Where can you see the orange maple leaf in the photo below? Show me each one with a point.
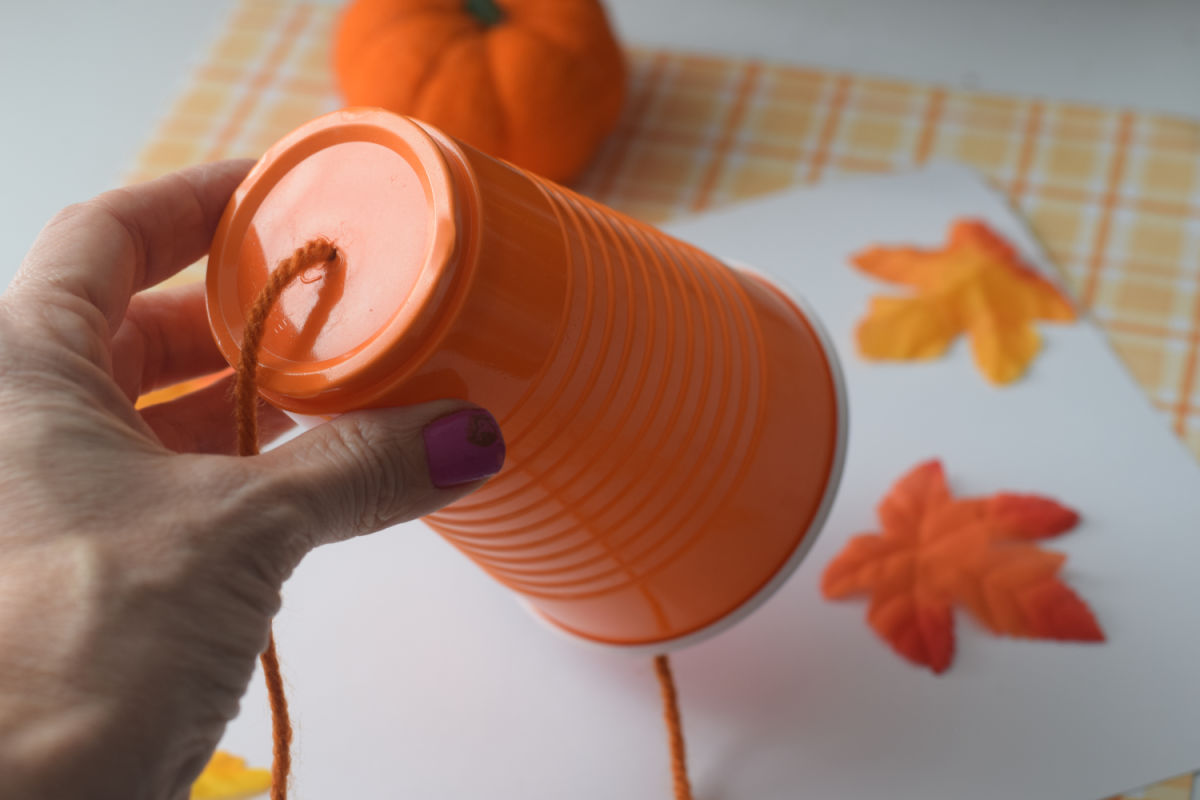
(936, 551)
(975, 284)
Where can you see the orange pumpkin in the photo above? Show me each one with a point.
(539, 83)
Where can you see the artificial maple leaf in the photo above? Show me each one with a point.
(976, 284)
(177, 390)
(228, 778)
(937, 551)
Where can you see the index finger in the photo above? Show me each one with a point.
(107, 249)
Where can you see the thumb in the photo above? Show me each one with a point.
(366, 470)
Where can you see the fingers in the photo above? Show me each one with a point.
(104, 251)
(371, 469)
(203, 421)
(164, 339)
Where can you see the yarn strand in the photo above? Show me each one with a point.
(317, 252)
(281, 722)
(670, 699)
(313, 253)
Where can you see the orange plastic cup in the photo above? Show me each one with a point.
(675, 427)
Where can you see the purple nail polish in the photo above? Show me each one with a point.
(463, 447)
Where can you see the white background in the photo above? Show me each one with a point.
(82, 83)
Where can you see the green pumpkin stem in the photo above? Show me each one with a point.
(486, 11)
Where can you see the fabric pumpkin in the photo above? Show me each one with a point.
(539, 83)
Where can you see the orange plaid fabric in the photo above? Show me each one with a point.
(1113, 194)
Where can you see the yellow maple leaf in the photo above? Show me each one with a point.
(168, 393)
(228, 778)
(975, 284)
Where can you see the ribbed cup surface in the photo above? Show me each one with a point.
(668, 453)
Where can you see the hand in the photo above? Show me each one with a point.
(140, 563)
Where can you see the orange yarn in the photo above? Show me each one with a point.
(316, 252)
(670, 698)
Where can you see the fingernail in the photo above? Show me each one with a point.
(463, 447)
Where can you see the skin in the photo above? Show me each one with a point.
(140, 561)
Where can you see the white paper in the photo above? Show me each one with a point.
(413, 675)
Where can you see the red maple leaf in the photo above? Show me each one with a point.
(979, 553)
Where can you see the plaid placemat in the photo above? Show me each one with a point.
(1113, 194)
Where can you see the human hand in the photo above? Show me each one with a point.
(140, 563)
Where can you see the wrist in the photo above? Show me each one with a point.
(82, 750)
(74, 721)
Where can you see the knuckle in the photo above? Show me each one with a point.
(66, 304)
(381, 474)
(117, 208)
(107, 213)
(263, 529)
(149, 340)
(12, 354)
(73, 215)
(75, 324)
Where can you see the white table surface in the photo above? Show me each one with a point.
(84, 82)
